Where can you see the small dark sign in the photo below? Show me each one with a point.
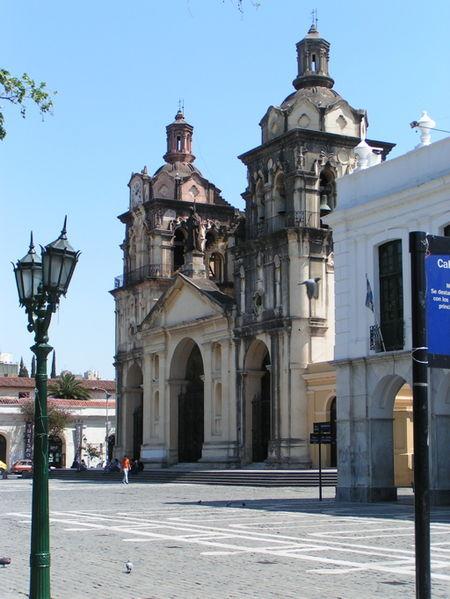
(323, 428)
(315, 439)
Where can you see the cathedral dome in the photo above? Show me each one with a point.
(314, 104)
(178, 169)
(321, 97)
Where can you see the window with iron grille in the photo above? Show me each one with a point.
(391, 294)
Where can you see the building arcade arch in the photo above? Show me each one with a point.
(187, 402)
(133, 412)
(258, 402)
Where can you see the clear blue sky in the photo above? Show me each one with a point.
(119, 69)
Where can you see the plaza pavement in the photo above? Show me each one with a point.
(205, 542)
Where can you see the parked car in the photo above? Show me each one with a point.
(3, 467)
(22, 466)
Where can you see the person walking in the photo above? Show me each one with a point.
(125, 468)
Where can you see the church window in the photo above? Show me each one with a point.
(327, 192)
(156, 411)
(218, 409)
(391, 294)
(210, 239)
(194, 191)
(304, 121)
(260, 205)
(156, 406)
(178, 143)
(277, 281)
(242, 288)
(216, 267)
(156, 368)
(178, 249)
(341, 122)
(314, 63)
(217, 358)
(280, 201)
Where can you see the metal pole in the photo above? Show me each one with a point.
(417, 248)
(40, 535)
(320, 471)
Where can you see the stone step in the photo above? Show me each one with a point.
(249, 478)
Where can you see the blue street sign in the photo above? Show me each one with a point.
(437, 268)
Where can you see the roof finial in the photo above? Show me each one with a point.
(179, 104)
(31, 249)
(315, 20)
(64, 229)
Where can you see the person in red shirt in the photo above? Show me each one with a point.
(125, 469)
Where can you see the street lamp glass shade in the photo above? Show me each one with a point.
(58, 261)
(28, 272)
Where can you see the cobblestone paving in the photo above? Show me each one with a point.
(204, 542)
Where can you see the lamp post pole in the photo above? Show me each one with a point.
(40, 537)
(40, 285)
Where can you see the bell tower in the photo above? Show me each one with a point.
(179, 140)
(307, 142)
(313, 54)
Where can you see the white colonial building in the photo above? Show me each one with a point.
(377, 208)
(90, 428)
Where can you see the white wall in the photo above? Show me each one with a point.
(384, 202)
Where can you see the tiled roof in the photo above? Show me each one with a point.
(20, 382)
(61, 403)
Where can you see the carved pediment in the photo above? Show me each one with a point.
(182, 303)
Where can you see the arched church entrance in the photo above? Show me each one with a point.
(191, 410)
(187, 402)
(134, 411)
(3, 449)
(258, 401)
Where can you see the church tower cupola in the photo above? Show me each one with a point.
(313, 53)
(179, 140)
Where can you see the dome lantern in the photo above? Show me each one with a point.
(313, 53)
(179, 140)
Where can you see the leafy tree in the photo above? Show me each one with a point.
(68, 387)
(53, 373)
(20, 91)
(23, 371)
(58, 418)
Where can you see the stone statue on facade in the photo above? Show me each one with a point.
(196, 232)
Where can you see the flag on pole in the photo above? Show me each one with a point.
(369, 296)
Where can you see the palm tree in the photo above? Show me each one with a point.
(68, 387)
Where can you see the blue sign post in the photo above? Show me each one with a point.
(437, 269)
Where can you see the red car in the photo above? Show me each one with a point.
(22, 466)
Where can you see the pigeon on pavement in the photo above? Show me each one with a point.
(5, 561)
(128, 566)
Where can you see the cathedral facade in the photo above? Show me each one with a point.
(225, 319)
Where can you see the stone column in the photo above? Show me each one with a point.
(147, 389)
(118, 449)
(176, 387)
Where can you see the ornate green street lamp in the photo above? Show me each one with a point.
(40, 284)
